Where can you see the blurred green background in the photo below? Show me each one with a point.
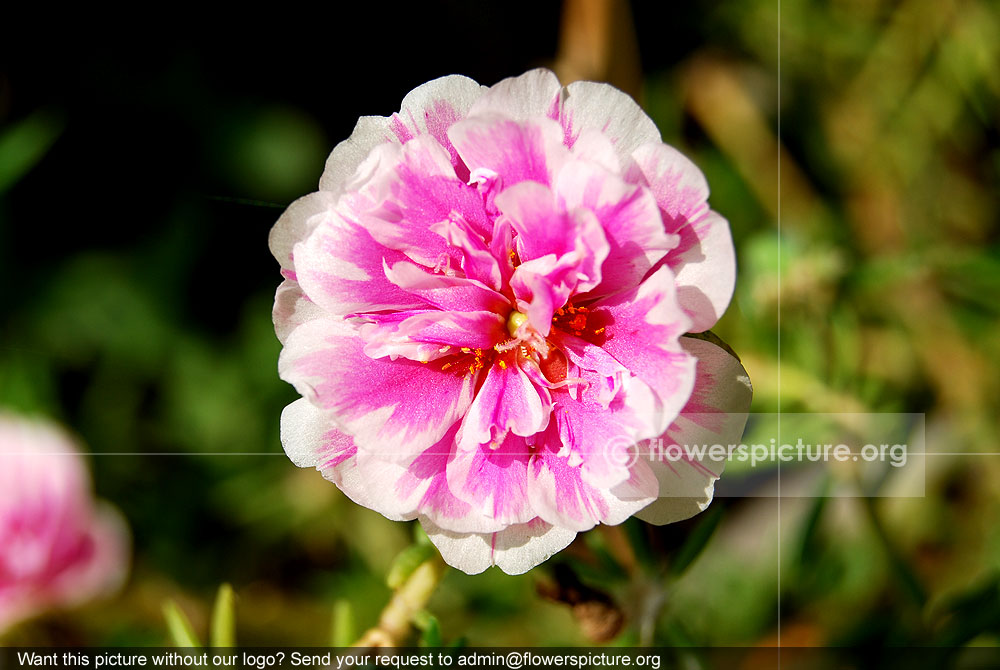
(140, 172)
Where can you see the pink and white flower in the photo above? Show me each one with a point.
(58, 548)
(484, 308)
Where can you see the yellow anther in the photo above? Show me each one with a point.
(502, 364)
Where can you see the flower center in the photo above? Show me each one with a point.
(572, 319)
(514, 321)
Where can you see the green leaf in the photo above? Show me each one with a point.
(406, 562)
(697, 540)
(179, 626)
(430, 629)
(420, 535)
(24, 144)
(223, 632)
(343, 631)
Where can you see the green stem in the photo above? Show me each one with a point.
(394, 624)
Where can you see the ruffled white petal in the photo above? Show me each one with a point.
(429, 108)
(532, 94)
(591, 105)
(515, 550)
(705, 271)
(295, 224)
(311, 440)
(343, 161)
(716, 414)
(292, 308)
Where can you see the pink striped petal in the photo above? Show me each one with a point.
(515, 150)
(428, 335)
(629, 217)
(599, 423)
(400, 491)
(434, 107)
(311, 440)
(428, 109)
(450, 293)
(677, 184)
(397, 408)
(590, 105)
(410, 190)
(478, 261)
(346, 158)
(427, 477)
(546, 226)
(494, 480)
(507, 401)
(716, 414)
(561, 495)
(642, 327)
(704, 262)
(420, 488)
(586, 355)
(341, 269)
(540, 287)
(593, 147)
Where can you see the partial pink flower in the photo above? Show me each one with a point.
(484, 309)
(58, 547)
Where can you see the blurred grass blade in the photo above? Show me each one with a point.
(905, 577)
(430, 629)
(406, 562)
(697, 540)
(809, 537)
(343, 632)
(970, 614)
(178, 626)
(223, 632)
(636, 531)
(23, 145)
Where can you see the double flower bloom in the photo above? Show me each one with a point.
(484, 309)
